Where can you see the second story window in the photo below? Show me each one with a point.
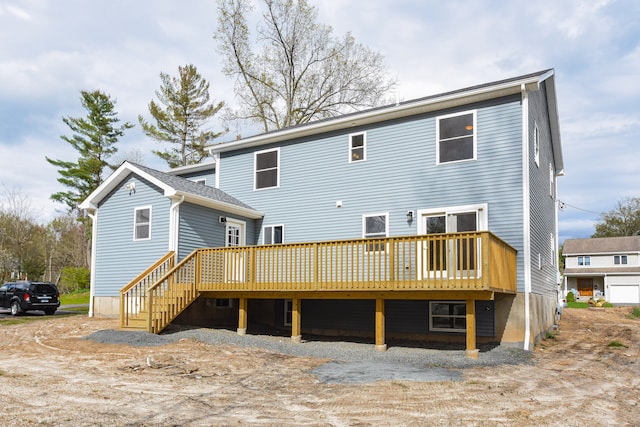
(142, 223)
(456, 137)
(536, 144)
(267, 169)
(357, 147)
(584, 260)
(620, 259)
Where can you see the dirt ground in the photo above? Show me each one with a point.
(48, 376)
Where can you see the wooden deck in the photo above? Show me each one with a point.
(462, 266)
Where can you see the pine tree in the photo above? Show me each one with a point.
(94, 138)
(187, 109)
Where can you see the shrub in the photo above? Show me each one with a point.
(571, 297)
(73, 279)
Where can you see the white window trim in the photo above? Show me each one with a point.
(536, 144)
(431, 328)
(243, 229)
(475, 136)
(482, 210)
(255, 170)
(272, 226)
(551, 179)
(368, 247)
(200, 181)
(364, 147)
(364, 224)
(135, 224)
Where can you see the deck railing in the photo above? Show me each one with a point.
(457, 261)
(471, 261)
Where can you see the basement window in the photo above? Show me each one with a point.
(448, 316)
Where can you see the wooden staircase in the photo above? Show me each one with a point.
(159, 294)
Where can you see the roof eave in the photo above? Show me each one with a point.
(393, 112)
(220, 205)
(114, 180)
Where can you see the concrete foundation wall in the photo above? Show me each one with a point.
(510, 310)
(106, 306)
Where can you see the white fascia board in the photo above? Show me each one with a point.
(554, 123)
(223, 206)
(114, 180)
(192, 168)
(387, 113)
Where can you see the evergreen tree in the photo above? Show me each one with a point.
(94, 137)
(187, 109)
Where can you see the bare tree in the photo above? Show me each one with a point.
(298, 71)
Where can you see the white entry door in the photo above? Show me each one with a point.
(235, 260)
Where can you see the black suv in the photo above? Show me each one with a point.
(24, 296)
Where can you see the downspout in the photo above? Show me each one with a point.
(526, 210)
(174, 224)
(92, 277)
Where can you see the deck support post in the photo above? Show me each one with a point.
(472, 351)
(296, 335)
(380, 335)
(242, 316)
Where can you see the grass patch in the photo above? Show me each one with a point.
(635, 312)
(616, 344)
(16, 320)
(76, 297)
(577, 304)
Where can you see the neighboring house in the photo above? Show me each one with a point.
(607, 267)
(431, 219)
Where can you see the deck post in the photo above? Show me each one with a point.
(380, 335)
(242, 316)
(472, 351)
(296, 335)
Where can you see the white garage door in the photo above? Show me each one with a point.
(624, 294)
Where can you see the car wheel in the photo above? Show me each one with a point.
(15, 308)
(49, 311)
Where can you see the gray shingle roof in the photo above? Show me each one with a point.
(601, 245)
(184, 185)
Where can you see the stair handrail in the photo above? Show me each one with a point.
(157, 328)
(167, 261)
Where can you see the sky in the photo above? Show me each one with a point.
(50, 50)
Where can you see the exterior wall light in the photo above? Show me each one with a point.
(410, 216)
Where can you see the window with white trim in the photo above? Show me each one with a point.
(202, 181)
(536, 144)
(267, 169)
(448, 316)
(552, 249)
(272, 234)
(375, 226)
(551, 179)
(620, 259)
(456, 137)
(584, 260)
(357, 147)
(142, 223)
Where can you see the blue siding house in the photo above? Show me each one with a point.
(432, 219)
